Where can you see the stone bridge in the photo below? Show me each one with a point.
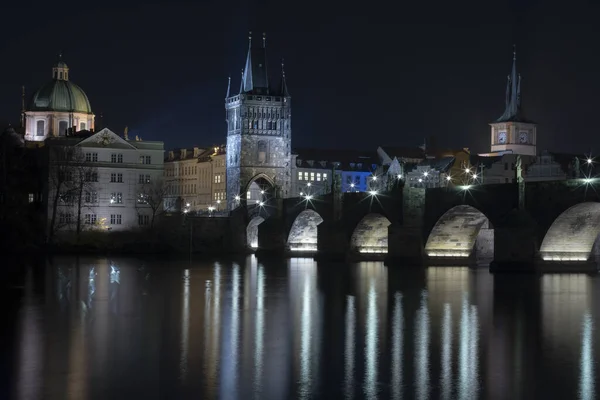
(550, 224)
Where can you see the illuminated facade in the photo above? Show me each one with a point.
(259, 131)
(116, 171)
(512, 131)
(57, 107)
(196, 179)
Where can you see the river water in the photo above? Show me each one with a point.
(98, 328)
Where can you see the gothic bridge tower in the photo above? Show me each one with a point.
(259, 131)
(512, 131)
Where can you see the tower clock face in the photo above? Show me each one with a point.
(502, 137)
(523, 137)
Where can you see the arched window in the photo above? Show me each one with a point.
(40, 128)
(62, 128)
(82, 126)
(262, 151)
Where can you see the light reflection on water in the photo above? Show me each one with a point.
(273, 329)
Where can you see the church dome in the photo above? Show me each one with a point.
(60, 94)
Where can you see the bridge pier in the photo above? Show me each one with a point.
(405, 246)
(515, 248)
(333, 243)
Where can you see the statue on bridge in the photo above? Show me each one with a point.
(519, 168)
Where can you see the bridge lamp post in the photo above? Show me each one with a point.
(373, 192)
(352, 187)
(210, 210)
(218, 204)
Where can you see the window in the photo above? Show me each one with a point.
(217, 178)
(31, 197)
(115, 219)
(91, 177)
(91, 157)
(65, 198)
(40, 128)
(299, 175)
(143, 219)
(62, 128)
(145, 160)
(306, 176)
(318, 177)
(116, 198)
(324, 177)
(82, 126)
(90, 219)
(65, 218)
(91, 197)
(312, 176)
(248, 195)
(262, 151)
(116, 178)
(116, 158)
(142, 198)
(143, 178)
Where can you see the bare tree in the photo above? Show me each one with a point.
(70, 176)
(151, 198)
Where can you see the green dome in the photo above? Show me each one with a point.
(60, 95)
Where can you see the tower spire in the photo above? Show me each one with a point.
(228, 86)
(283, 88)
(512, 111)
(242, 82)
(256, 78)
(264, 40)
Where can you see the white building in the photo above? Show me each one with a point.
(117, 182)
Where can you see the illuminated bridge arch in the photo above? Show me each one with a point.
(252, 232)
(461, 231)
(572, 235)
(303, 234)
(371, 234)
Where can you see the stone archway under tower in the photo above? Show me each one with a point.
(260, 188)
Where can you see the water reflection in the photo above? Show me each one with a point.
(275, 329)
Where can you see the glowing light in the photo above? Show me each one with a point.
(420, 180)
(373, 251)
(589, 161)
(307, 248)
(352, 185)
(237, 198)
(563, 258)
(448, 178)
(262, 192)
(187, 204)
(425, 173)
(461, 254)
(301, 194)
(465, 187)
(399, 176)
(211, 208)
(373, 192)
(257, 201)
(112, 201)
(308, 197)
(186, 211)
(374, 178)
(467, 170)
(218, 201)
(261, 204)
(309, 184)
(475, 176)
(588, 180)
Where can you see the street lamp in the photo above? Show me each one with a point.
(308, 197)
(237, 198)
(589, 160)
(420, 180)
(261, 203)
(448, 178)
(467, 170)
(218, 204)
(308, 184)
(425, 173)
(374, 177)
(373, 192)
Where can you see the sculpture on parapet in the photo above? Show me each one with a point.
(519, 168)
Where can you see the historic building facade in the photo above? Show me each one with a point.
(512, 131)
(259, 131)
(103, 181)
(57, 107)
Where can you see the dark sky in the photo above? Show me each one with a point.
(361, 74)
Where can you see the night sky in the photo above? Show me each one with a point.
(361, 74)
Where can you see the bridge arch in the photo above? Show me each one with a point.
(260, 188)
(303, 234)
(572, 235)
(458, 233)
(371, 234)
(252, 232)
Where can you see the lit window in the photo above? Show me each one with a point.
(248, 196)
(312, 176)
(324, 177)
(306, 176)
(116, 198)
(318, 177)
(31, 197)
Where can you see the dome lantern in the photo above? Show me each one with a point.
(60, 71)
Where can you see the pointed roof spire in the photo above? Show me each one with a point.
(264, 40)
(513, 111)
(228, 86)
(255, 77)
(283, 87)
(242, 83)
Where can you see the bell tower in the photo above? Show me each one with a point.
(259, 132)
(512, 131)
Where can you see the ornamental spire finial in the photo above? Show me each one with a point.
(514, 52)
(250, 39)
(264, 40)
